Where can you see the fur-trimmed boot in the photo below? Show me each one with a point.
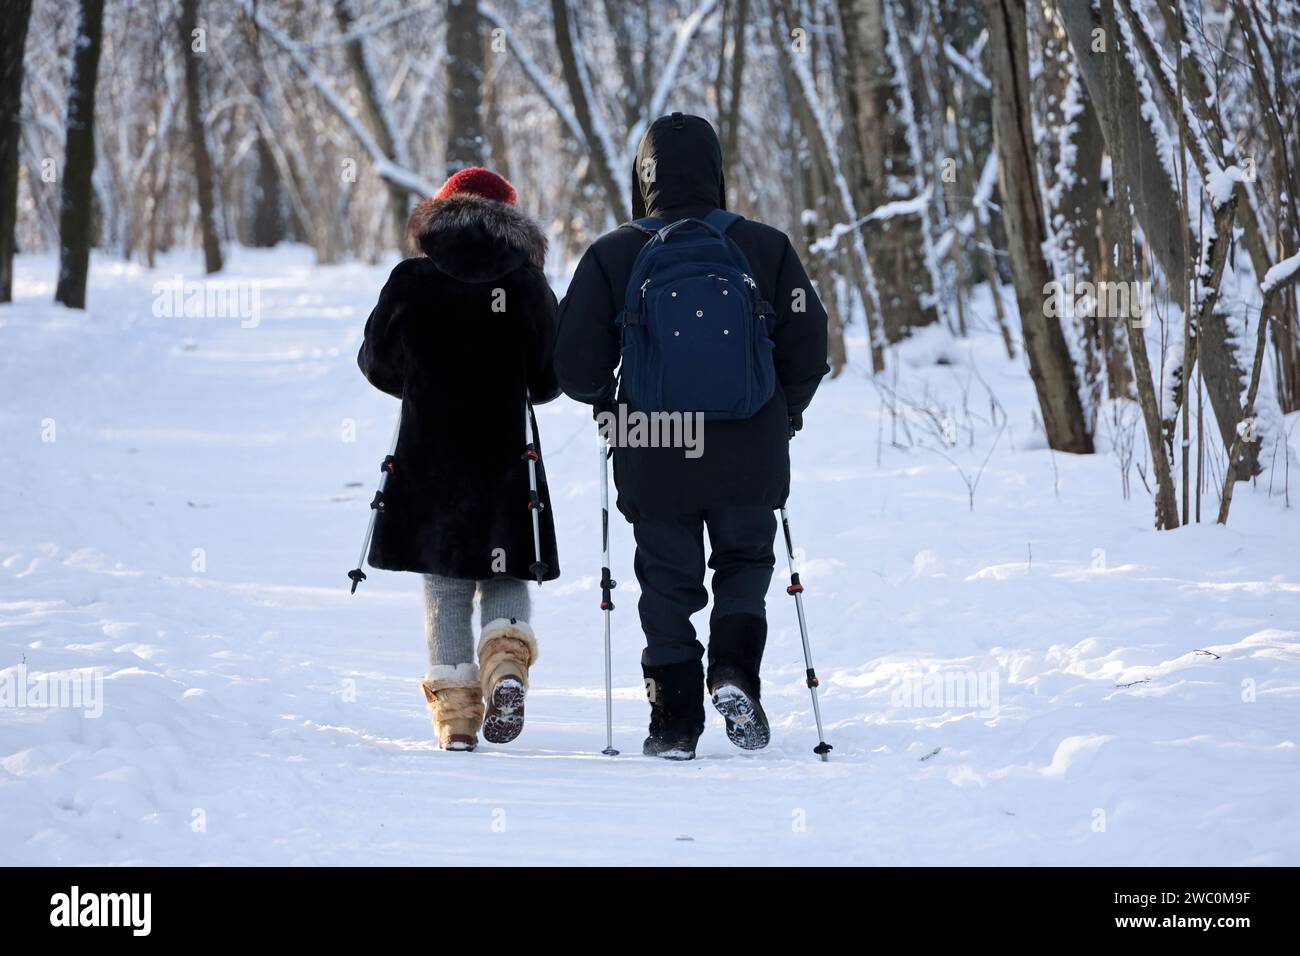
(506, 650)
(454, 697)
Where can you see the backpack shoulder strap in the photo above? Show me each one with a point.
(647, 225)
(723, 219)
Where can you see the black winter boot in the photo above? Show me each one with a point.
(676, 710)
(735, 654)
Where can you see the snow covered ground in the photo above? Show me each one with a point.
(180, 501)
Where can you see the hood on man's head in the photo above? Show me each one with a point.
(677, 165)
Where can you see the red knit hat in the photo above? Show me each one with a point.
(478, 181)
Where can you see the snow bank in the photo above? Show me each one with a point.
(1040, 680)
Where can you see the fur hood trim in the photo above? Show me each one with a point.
(459, 216)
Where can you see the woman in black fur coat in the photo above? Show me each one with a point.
(463, 335)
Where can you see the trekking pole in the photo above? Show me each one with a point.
(356, 575)
(535, 503)
(795, 590)
(607, 584)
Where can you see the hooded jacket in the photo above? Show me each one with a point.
(459, 335)
(677, 175)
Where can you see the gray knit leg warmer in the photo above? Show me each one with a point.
(448, 628)
(502, 598)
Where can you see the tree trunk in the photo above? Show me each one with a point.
(1072, 169)
(372, 104)
(1166, 502)
(618, 13)
(1113, 335)
(13, 39)
(884, 172)
(565, 32)
(268, 213)
(75, 215)
(496, 124)
(188, 23)
(1155, 199)
(833, 175)
(731, 117)
(1125, 264)
(815, 207)
(1245, 434)
(1196, 110)
(1050, 366)
(465, 68)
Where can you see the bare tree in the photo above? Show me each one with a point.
(1124, 257)
(75, 215)
(187, 24)
(373, 107)
(1050, 365)
(884, 169)
(1274, 285)
(466, 142)
(1071, 155)
(13, 40)
(802, 94)
(1129, 126)
(574, 68)
(267, 225)
(729, 131)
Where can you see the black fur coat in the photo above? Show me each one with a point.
(457, 335)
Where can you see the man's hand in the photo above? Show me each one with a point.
(604, 405)
(796, 423)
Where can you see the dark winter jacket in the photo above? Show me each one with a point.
(745, 463)
(456, 335)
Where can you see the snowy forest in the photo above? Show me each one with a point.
(1059, 245)
(1114, 162)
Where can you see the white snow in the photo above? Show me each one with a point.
(915, 206)
(1280, 272)
(1043, 679)
(1223, 182)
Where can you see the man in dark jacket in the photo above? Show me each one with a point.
(743, 473)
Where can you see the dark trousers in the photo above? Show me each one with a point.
(670, 569)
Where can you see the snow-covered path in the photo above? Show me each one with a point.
(188, 530)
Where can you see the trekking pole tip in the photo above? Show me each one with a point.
(610, 752)
(356, 576)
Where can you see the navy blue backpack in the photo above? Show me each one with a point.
(694, 326)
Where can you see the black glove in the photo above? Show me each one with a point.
(601, 406)
(796, 423)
